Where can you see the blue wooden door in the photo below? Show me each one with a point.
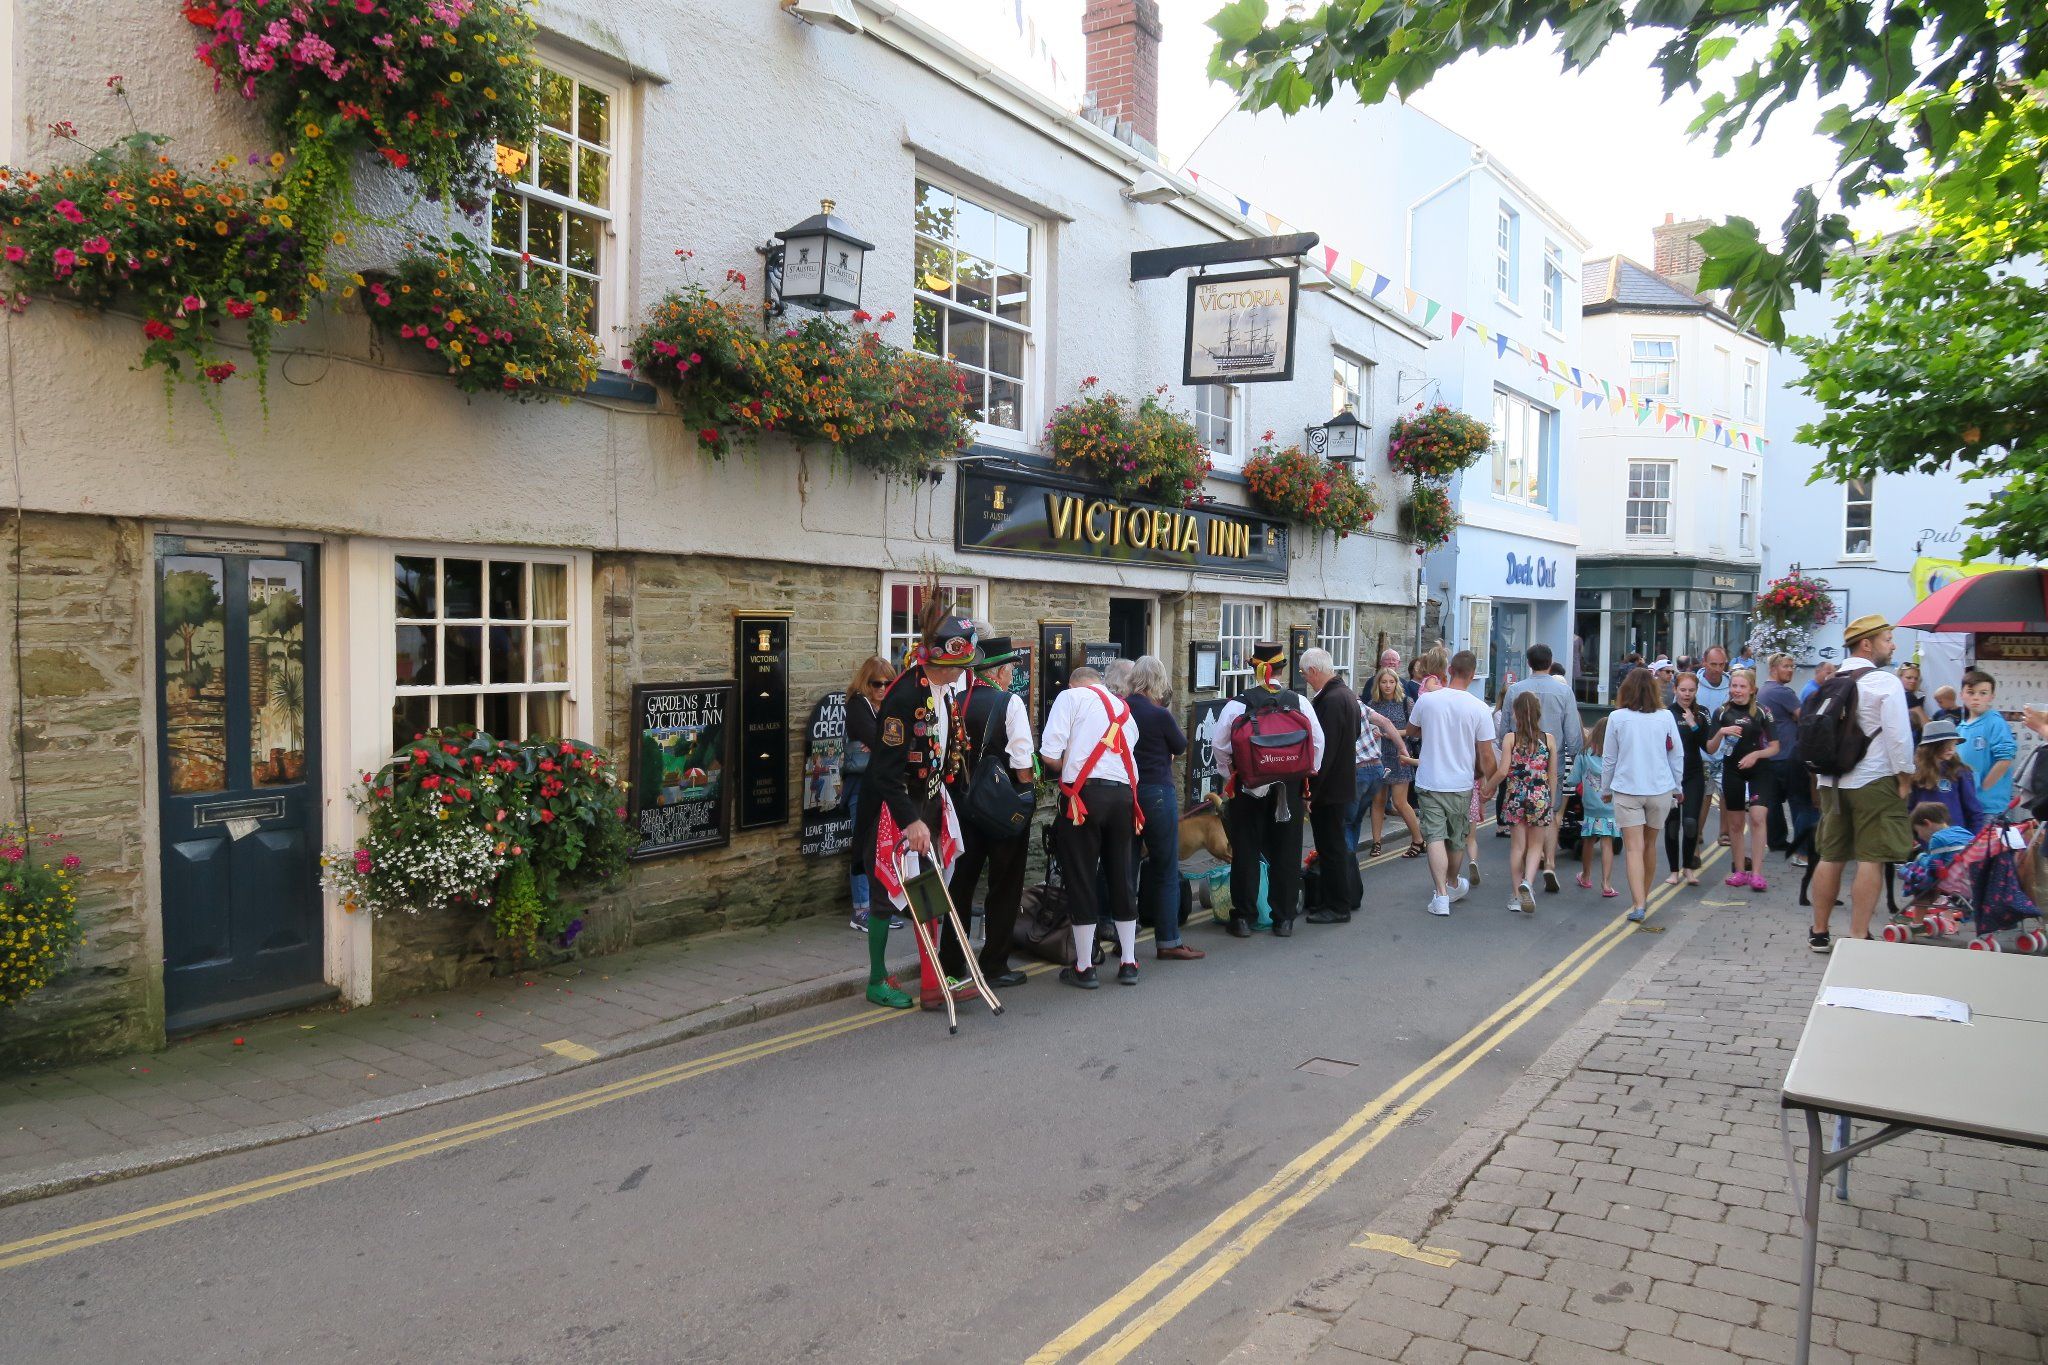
(238, 720)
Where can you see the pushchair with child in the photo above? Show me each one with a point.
(1983, 883)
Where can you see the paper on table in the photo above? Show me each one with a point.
(1897, 1002)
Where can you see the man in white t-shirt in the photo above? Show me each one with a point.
(1863, 817)
(1457, 750)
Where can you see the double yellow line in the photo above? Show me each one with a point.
(1245, 1225)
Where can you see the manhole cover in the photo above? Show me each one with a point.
(1325, 1066)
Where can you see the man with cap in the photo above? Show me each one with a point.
(993, 720)
(1863, 817)
(919, 750)
(1264, 821)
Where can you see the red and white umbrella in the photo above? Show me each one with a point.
(2005, 602)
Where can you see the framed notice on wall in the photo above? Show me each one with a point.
(682, 751)
(1055, 660)
(1100, 656)
(761, 655)
(1241, 327)
(827, 823)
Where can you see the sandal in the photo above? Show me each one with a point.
(1585, 881)
(1414, 851)
(1374, 851)
(1608, 892)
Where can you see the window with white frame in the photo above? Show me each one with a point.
(1553, 287)
(1337, 631)
(554, 224)
(903, 602)
(1218, 420)
(480, 640)
(1858, 505)
(1752, 389)
(1653, 366)
(1649, 498)
(976, 300)
(1348, 379)
(1724, 379)
(1243, 625)
(1507, 253)
(1520, 444)
(1745, 516)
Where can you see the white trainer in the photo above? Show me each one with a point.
(1439, 905)
(1461, 890)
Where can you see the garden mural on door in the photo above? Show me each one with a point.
(240, 805)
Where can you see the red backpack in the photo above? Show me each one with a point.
(1272, 741)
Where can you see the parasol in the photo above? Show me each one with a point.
(2006, 601)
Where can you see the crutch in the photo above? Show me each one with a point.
(917, 893)
(974, 972)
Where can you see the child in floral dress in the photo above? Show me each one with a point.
(1528, 767)
(1596, 815)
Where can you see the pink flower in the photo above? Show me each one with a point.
(365, 6)
(433, 343)
(64, 258)
(72, 862)
(15, 255)
(159, 331)
(69, 211)
(11, 854)
(97, 246)
(192, 304)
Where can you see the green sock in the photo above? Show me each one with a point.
(878, 946)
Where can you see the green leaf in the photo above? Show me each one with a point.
(1238, 22)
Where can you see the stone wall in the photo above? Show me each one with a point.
(77, 726)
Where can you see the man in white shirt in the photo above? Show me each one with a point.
(1457, 749)
(1264, 821)
(1863, 815)
(1089, 738)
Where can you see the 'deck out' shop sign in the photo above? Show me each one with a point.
(1043, 518)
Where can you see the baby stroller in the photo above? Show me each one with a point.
(1929, 912)
(1986, 881)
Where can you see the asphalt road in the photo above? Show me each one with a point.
(873, 1192)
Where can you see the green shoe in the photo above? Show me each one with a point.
(881, 993)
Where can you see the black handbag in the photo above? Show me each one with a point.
(996, 806)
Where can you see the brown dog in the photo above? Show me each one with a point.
(1202, 831)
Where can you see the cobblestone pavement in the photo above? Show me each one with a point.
(281, 1078)
(1642, 1211)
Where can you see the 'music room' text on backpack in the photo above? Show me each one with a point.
(1831, 738)
(1271, 741)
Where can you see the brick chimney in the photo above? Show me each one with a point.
(1678, 250)
(1123, 62)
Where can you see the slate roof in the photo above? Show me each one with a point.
(1616, 284)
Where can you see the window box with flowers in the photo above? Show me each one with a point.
(1323, 494)
(1144, 451)
(461, 821)
(878, 406)
(450, 307)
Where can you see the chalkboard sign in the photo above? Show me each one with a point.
(682, 749)
(1100, 657)
(827, 819)
(761, 657)
(1020, 676)
(1203, 778)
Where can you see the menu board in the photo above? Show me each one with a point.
(1203, 777)
(827, 818)
(681, 750)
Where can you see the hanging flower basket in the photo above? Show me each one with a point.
(448, 305)
(191, 253)
(38, 911)
(1796, 602)
(1437, 441)
(1322, 494)
(433, 87)
(897, 412)
(1428, 517)
(1146, 451)
(460, 820)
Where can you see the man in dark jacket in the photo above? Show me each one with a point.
(920, 748)
(1334, 788)
(993, 721)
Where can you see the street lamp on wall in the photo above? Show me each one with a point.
(816, 264)
(1341, 439)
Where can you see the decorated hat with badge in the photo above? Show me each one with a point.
(951, 645)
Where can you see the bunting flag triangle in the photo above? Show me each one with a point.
(1195, 176)
(1544, 361)
(1430, 315)
(1614, 402)
(1457, 321)
(1671, 421)
(1589, 399)
(1500, 346)
(1329, 260)
(1606, 390)
(1642, 414)
(1357, 273)
(1660, 414)
(1745, 440)
(1379, 285)
(1527, 354)
(1411, 296)
(1576, 381)
(1557, 389)
(1272, 222)
(1244, 208)
(1624, 395)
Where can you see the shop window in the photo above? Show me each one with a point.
(977, 270)
(1653, 366)
(554, 224)
(1243, 625)
(1521, 445)
(1858, 507)
(1553, 287)
(1745, 526)
(1649, 498)
(1219, 414)
(903, 600)
(1507, 253)
(1337, 631)
(481, 640)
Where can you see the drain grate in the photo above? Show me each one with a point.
(1327, 1066)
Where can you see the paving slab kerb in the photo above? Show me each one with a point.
(283, 1078)
(1634, 1204)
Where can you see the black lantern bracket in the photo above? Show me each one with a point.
(828, 230)
(1341, 440)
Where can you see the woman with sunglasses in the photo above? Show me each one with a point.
(863, 696)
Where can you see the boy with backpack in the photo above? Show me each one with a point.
(1857, 739)
(1270, 745)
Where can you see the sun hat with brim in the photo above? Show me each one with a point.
(1936, 731)
(997, 650)
(1863, 626)
(952, 645)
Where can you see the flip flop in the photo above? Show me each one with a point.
(1608, 893)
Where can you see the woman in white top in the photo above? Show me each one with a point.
(1643, 772)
